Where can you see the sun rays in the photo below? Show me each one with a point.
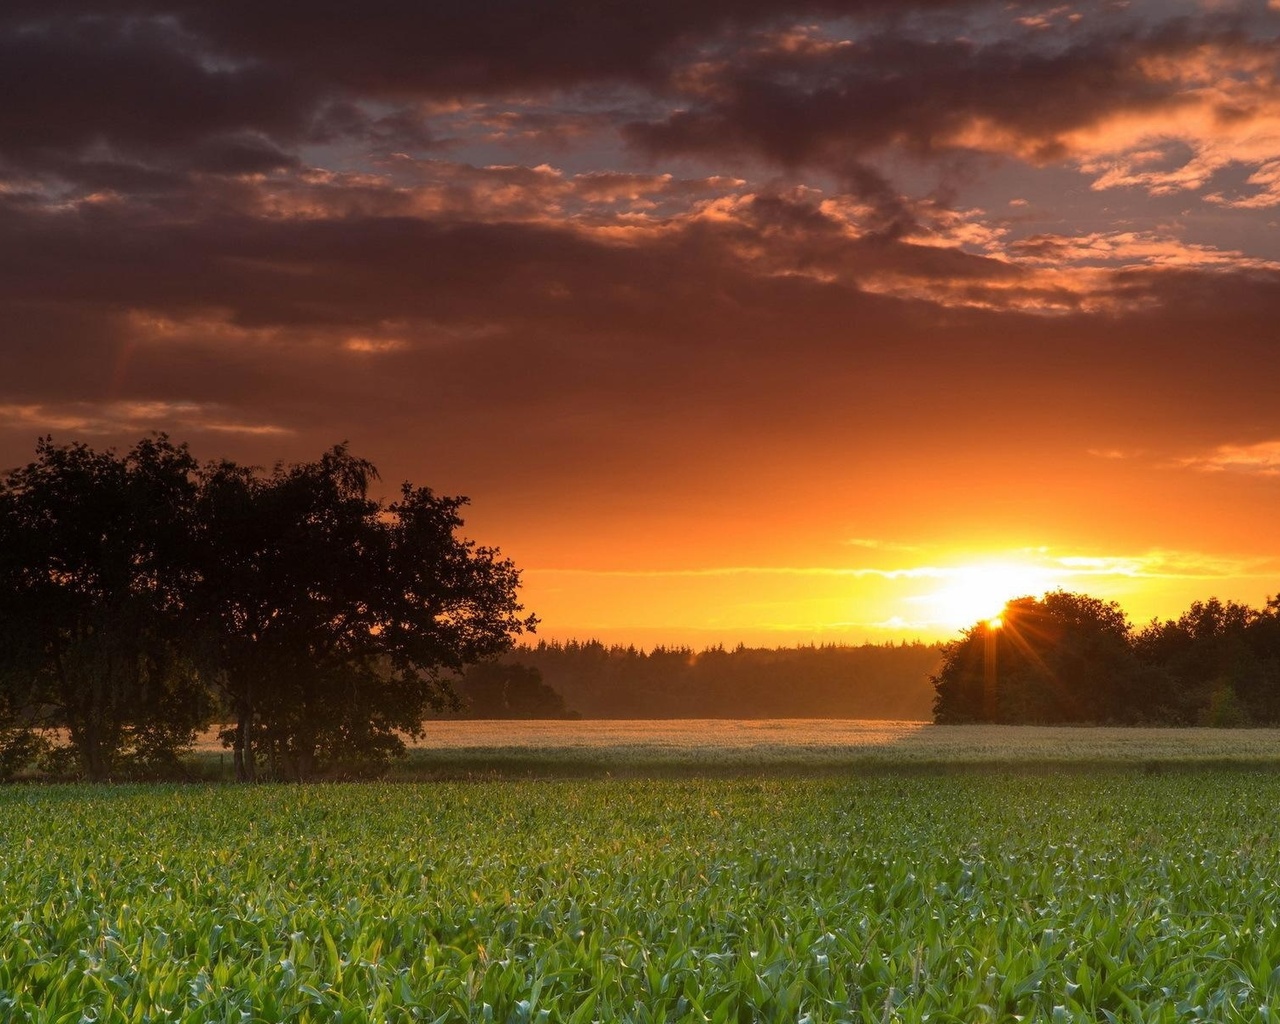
(979, 592)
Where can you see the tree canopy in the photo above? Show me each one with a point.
(94, 570)
(1073, 658)
(145, 595)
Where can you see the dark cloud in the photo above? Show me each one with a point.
(349, 270)
(232, 87)
(116, 90)
(99, 93)
(832, 106)
(770, 289)
(403, 47)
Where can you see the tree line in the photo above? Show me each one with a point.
(1071, 658)
(145, 596)
(587, 678)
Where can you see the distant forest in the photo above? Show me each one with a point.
(1062, 658)
(590, 680)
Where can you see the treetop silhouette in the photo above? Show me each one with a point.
(143, 595)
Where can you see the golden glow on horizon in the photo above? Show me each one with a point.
(875, 591)
(974, 593)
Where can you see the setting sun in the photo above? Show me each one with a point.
(973, 593)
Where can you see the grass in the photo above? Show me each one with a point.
(1112, 896)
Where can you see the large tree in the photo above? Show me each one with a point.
(141, 593)
(1061, 658)
(93, 569)
(330, 619)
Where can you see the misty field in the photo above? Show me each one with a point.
(736, 745)
(1109, 896)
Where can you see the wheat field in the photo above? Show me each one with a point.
(601, 745)
(836, 741)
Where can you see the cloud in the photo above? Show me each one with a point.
(1116, 454)
(404, 47)
(924, 94)
(1261, 458)
(130, 417)
(647, 306)
(111, 101)
(227, 88)
(100, 90)
(1163, 106)
(1130, 248)
(875, 544)
(1030, 569)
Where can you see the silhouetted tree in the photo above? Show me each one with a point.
(93, 568)
(1211, 671)
(327, 618)
(1264, 642)
(1063, 658)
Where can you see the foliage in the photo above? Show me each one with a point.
(1117, 897)
(1063, 658)
(140, 594)
(328, 616)
(1072, 658)
(1210, 666)
(93, 567)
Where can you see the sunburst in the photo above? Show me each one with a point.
(979, 592)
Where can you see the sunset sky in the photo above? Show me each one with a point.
(769, 321)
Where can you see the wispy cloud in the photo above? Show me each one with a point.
(123, 416)
(1262, 458)
(743, 570)
(874, 544)
(1042, 564)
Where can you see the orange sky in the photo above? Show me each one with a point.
(821, 320)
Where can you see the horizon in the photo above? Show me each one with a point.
(836, 322)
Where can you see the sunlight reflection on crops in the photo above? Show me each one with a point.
(843, 739)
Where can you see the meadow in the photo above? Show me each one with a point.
(1113, 895)
(812, 746)
(462, 749)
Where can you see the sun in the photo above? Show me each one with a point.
(979, 592)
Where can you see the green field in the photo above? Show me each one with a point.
(1107, 896)
(801, 747)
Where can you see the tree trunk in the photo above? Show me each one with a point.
(242, 746)
(86, 740)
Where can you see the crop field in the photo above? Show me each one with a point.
(1107, 896)
(734, 746)
(806, 745)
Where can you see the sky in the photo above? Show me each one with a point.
(771, 321)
